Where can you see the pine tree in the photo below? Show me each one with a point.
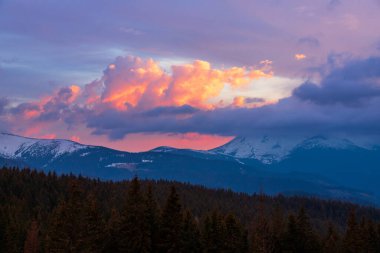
(190, 235)
(290, 239)
(171, 221)
(134, 231)
(13, 241)
(93, 230)
(307, 240)
(372, 242)
(277, 230)
(213, 234)
(66, 226)
(32, 244)
(331, 242)
(262, 238)
(235, 236)
(111, 244)
(57, 238)
(152, 219)
(351, 241)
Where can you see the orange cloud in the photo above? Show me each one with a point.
(140, 85)
(300, 57)
(132, 81)
(128, 79)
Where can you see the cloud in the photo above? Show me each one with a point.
(241, 101)
(345, 101)
(309, 41)
(353, 84)
(170, 30)
(132, 82)
(171, 110)
(299, 57)
(3, 103)
(334, 3)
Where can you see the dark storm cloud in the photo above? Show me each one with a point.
(352, 85)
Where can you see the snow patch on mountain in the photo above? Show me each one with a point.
(324, 142)
(14, 146)
(269, 149)
(266, 149)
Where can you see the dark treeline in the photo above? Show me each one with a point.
(49, 213)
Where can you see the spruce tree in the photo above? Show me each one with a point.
(134, 231)
(307, 239)
(112, 234)
(32, 243)
(152, 219)
(171, 221)
(65, 232)
(290, 239)
(213, 234)
(190, 235)
(372, 237)
(277, 230)
(235, 236)
(93, 228)
(262, 238)
(331, 243)
(351, 241)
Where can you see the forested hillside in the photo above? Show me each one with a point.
(50, 213)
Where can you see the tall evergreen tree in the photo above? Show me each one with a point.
(32, 243)
(351, 241)
(134, 231)
(262, 238)
(190, 235)
(213, 234)
(66, 226)
(171, 221)
(111, 243)
(307, 239)
(372, 239)
(235, 236)
(331, 243)
(277, 230)
(93, 227)
(152, 219)
(290, 239)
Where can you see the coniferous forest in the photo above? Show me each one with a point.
(49, 213)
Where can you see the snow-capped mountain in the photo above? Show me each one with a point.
(266, 149)
(269, 150)
(234, 166)
(13, 146)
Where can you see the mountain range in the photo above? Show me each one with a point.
(318, 166)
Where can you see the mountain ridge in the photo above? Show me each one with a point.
(206, 168)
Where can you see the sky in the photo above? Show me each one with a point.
(134, 75)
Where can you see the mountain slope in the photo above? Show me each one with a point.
(199, 167)
(339, 160)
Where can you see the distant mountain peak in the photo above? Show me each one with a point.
(320, 141)
(12, 145)
(264, 148)
(269, 149)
